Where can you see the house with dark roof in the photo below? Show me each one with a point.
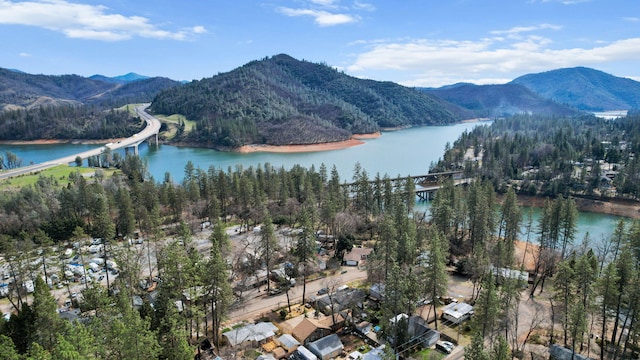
(326, 348)
(339, 301)
(557, 352)
(421, 333)
(376, 292)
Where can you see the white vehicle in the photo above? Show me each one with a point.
(96, 248)
(29, 287)
(94, 267)
(111, 265)
(445, 346)
(99, 261)
(68, 274)
(76, 269)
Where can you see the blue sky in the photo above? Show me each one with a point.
(412, 42)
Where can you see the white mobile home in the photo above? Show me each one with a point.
(457, 312)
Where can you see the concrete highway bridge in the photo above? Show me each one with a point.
(151, 130)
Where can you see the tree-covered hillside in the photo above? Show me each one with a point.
(584, 88)
(281, 100)
(67, 122)
(21, 90)
(133, 92)
(499, 100)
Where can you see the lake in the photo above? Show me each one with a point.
(599, 226)
(402, 152)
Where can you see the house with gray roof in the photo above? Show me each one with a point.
(327, 348)
(457, 312)
(251, 333)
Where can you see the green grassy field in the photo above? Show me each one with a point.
(175, 119)
(172, 123)
(60, 173)
(428, 354)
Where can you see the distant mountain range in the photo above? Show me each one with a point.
(558, 92)
(282, 100)
(122, 79)
(22, 90)
(584, 88)
(491, 101)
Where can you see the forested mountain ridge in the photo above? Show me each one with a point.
(281, 100)
(584, 88)
(67, 107)
(22, 90)
(499, 100)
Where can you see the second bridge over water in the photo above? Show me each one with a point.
(425, 185)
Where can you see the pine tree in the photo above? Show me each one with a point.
(47, 323)
(8, 349)
(219, 290)
(487, 310)
(435, 272)
(305, 250)
(268, 245)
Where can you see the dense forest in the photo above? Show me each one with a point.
(281, 100)
(549, 156)
(68, 122)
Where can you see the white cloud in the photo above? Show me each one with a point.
(488, 59)
(322, 18)
(631, 19)
(24, 54)
(324, 2)
(328, 12)
(199, 29)
(363, 6)
(523, 29)
(93, 22)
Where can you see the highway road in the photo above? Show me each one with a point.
(152, 128)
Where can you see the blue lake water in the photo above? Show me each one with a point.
(403, 152)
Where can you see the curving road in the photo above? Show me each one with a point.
(152, 128)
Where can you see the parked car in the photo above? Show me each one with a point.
(445, 346)
(323, 291)
(275, 291)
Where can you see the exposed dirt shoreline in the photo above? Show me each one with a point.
(624, 208)
(355, 140)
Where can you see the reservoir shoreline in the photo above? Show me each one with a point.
(624, 208)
